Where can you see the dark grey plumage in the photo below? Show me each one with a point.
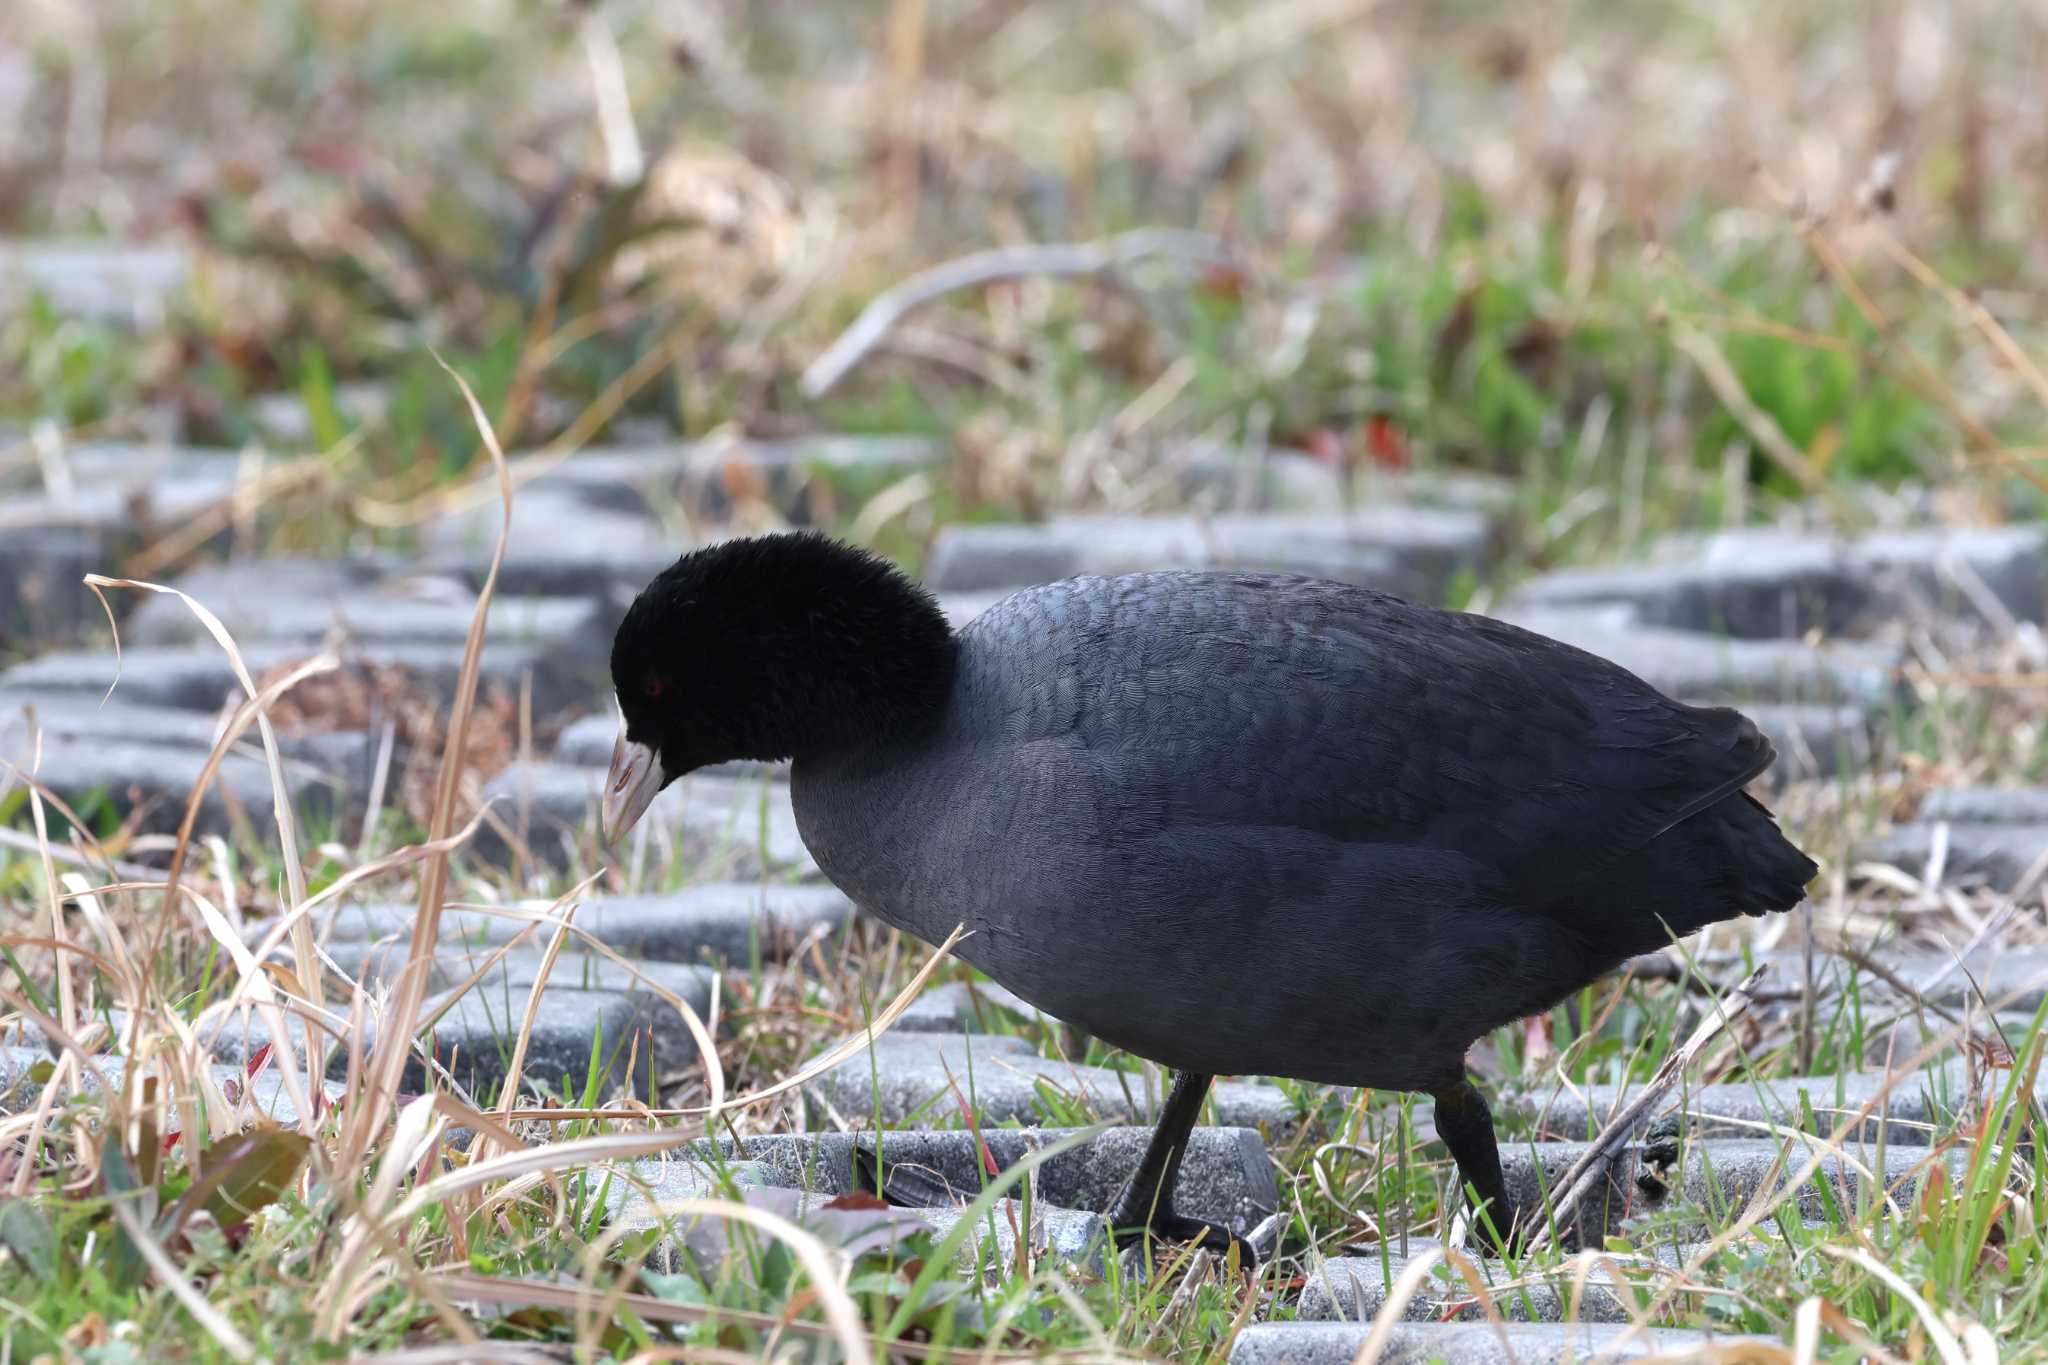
(1232, 822)
(1340, 836)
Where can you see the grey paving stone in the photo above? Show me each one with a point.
(713, 1247)
(1713, 1180)
(601, 556)
(49, 542)
(627, 1036)
(520, 968)
(715, 921)
(587, 741)
(695, 478)
(1697, 667)
(199, 678)
(1289, 481)
(192, 679)
(634, 1190)
(122, 512)
(603, 519)
(565, 640)
(75, 716)
(1413, 551)
(1689, 1200)
(266, 1093)
(1691, 1188)
(340, 760)
(582, 992)
(510, 978)
(235, 1038)
(560, 677)
(158, 781)
(99, 281)
(251, 595)
(1072, 1236)
(1353, 1288)
(1533, 1172)
(1006, 1081)
(637, 1193)
(2012, 977)
(1517, 1343)
(963, 1007)
(1760, 583)
(133, 466)
(1804, 587)
(42, 593)
(739, 826)
(283, 416)
(1226, 1174)
(1816, 741)
(1076, 1237)
(1993, 855)
(550, 520)
(1900, 1038)
(1914, 1106)
(1911, 566)
(1985, 806)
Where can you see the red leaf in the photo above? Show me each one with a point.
(1386, 444)
(1223, 280)
(988, 1160)
(857, 1199)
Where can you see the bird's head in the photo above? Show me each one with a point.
(769, 647)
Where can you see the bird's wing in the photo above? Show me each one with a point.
(1248, 699)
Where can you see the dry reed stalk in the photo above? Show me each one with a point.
(394, 1041)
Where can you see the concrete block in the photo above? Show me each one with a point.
(1700, 668)
(716, 921)
(126, 283)
(1413, 551)
(1005, 1080)
(1516, 1343)
(739, 826)
(1226, 1175)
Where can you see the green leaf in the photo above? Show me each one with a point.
(125, 1266)
(242, 1175)
(25, 1230)
(316, 392)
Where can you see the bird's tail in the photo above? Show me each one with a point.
(1730, 859)
(1771, 871)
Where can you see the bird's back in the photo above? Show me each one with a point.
(1324, 789)
(1263, 700)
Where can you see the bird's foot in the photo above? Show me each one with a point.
(1166, 1230)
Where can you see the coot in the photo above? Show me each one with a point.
(1237, 823)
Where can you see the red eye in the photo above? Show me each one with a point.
(652, 687)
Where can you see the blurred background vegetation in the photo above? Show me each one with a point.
(1658, 264)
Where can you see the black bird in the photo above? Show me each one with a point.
(1237, 823)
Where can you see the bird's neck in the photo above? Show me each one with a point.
(856, 679)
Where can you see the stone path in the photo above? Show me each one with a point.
(1338, 1343)
(1720, 618)
(117, 282)
(1992, 836)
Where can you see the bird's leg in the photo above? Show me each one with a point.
(1466, 1125)
(1145, 1207)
